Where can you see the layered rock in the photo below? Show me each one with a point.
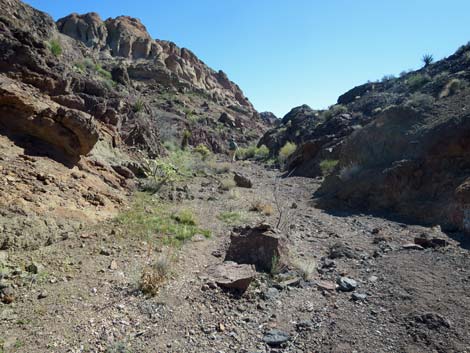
(128, 38)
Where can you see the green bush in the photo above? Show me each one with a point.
(203, 151)
(252, 152)
(327, 166)
(333, 111)
(55, 47)
(103, 72)
(285, 152)
(417, 81)
(138, 105)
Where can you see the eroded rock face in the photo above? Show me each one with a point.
(128, 38)
(24, 110)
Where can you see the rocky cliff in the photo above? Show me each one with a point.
(400, 146)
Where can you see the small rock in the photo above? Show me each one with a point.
(42, 295)
(105, 252)
(411, 246)
(325, 285)
(113, 265)
(359, 297)
(271, 293)
(304, 325)
(275, 338)
(346, 284)
(373, 279)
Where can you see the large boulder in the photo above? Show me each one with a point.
(89, 29)
(261, 246)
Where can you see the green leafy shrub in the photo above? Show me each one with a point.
(185, 217)
(55, 47)
(203, 151)
(417, 81)
(160, 171)
(185, 140)
(253, 152)
(230, 217)
(327, 166)
(285, 152)
(102, 72)
(333, 111)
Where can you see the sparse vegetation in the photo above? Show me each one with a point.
(285, 152)
(157, 222)
(227, 184)
(451, 88)
(420, 101)
(185, 140)
(253, 152)
(55, 47)
(427, 59)
(327, 166)
(155, 274)
(231, 217)
(418, 80)
(102, 72)
(305, 267)
(333, 111)
(203, 151)
(261, 207)
(138, 105)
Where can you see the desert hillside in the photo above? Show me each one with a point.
(147, 206)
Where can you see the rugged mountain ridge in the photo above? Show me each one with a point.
(400, 146)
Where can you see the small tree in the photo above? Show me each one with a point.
(427, 59)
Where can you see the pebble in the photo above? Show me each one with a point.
(359, 297)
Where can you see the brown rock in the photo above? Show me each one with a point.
(242, 181)
(262, 247)
(231, 275)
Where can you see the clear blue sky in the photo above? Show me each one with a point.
(284, 53)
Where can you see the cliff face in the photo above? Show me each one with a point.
(127, 37)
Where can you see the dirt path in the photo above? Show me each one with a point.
(414, 300)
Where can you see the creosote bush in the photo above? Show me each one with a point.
(420, 101)
(416, 81)
(253, 152)
(285, 152)
(55, 47)
(203, 151)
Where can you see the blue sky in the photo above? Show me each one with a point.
(284, 53)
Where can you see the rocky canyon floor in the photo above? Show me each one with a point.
(80, 293)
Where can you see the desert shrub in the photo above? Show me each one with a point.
(327, 166)
(185, 217)
(160, 171)
(417, 81)
(154, 275)
(203, 151)
(427, 59)
(227, 184)
(348, 172)
(218, 168)
(388, 78)
(261, 207)
(286, 151)
(185, 140)
(451, 88)
(230, 217)
(88, 63)
(333, 111)
(253, 152)
(102, 72)
(305, 267)
(55, 47)
(138, 105)
(420, 101)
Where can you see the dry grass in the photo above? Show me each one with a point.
(155, 274)
(227, 184)
(305, 267)
(261, 207)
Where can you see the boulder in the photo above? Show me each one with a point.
(227, 120)
(275, 338)
(261, 246)
(231, 275)
(242, 181)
